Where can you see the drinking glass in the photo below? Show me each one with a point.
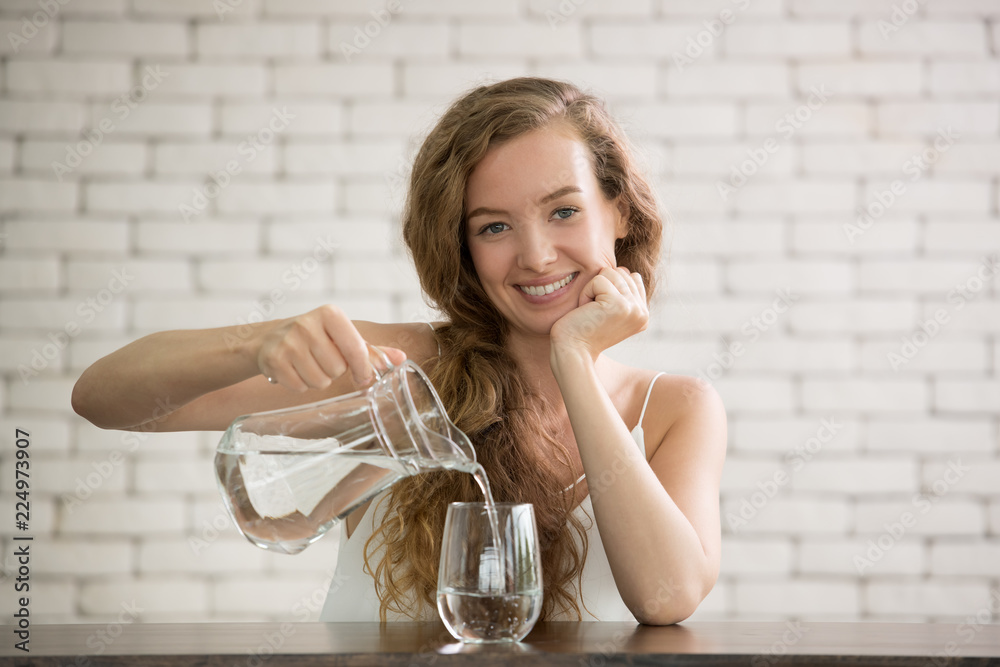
(490, 592)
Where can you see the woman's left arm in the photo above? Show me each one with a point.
(659, 521)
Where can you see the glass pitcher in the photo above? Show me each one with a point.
(287, 476)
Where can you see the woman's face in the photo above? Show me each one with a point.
(538, 226)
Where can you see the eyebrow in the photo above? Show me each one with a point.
(565, 190)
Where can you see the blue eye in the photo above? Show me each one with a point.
(493, 228)
(568, 211)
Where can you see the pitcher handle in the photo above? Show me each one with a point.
(379, 355)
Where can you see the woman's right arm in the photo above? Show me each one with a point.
(203, 379)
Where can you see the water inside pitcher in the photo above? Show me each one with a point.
(287, 476)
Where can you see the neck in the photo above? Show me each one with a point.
(531, 352)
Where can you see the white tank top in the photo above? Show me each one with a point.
(351, 597)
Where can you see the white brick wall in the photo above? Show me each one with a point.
(333, 178)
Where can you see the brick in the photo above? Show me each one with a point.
(391, 276)
(961, 475)
(245, 9)
(366, 235)
(162, 595)
(447, 78)
(23, 194)
(54, 315)
(139, 197)
(100, 517)
(971, 77)
(683, 120)
(37, 39)
(913, 276)
(798, 39)
(884, 237)
(307, 272)
(132, 276)
(645, 39)
(937, 196)
(793, 355)
(49, 434)
(270, 596)
(29, 275)
(409, 40)
(556, 12)
(943, 517)
(837, 557)
(370, 197)
(108, 158)
(833, 119)
(792, 437)
(936, 599)
(965, 558)
(680, 355)
(845, 9)
(814, 196)
(755, 393)
(346, 80)
(692, 198)
(213, 80)
(865, 395)
(932, 435)
(356, 307)
(977, 8)
(860, 476)
(457, 9)
(829, 277)
(79, 557)
(740, 556)
(320, 558)
(868, 79)
(940, 356)
(854, 157)
(924, 38)
(728, 80)
(39, 354)
(196, 476)
(125, 38)
(205, 237)
(712, 8)
(311, 118)
(277, 198)
(800, 597)
(53, 600)
(154, 119)
(370, 157)
(172, 313)
(271, 40)
(390, 118)
(969, 158)
(498, 39)
(41, 393)
(609, 80)
(196, 557)
(722, 161)
(857, 315)
(731, 238)
(86, 7)
(6, 156)
(967, 395)
(204, 158)
(79, 235)
(61, 77)
(82, 476)
(969, 119)
(971, 316)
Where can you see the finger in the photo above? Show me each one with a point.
(309, 374)
(618, 279)
(350, 344)
(640, 285)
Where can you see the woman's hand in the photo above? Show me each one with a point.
(612, 308)
(312, 350)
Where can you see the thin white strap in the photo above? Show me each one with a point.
(435, 337)
(642, 413)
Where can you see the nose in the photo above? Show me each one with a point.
(536, 250)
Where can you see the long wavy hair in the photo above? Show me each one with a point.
(512, 429)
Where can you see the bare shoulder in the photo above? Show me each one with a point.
(684, 405)
(416, 339)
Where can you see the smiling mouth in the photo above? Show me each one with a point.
(542, 290)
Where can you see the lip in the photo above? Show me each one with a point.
(545, 298)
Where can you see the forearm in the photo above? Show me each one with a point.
(655, 554)
(161, 372)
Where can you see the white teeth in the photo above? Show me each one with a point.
(547, 289)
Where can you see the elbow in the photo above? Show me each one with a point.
(83, 406)
(672, 603)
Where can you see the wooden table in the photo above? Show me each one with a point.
(763, 644)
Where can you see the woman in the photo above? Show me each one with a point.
(533, 232)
